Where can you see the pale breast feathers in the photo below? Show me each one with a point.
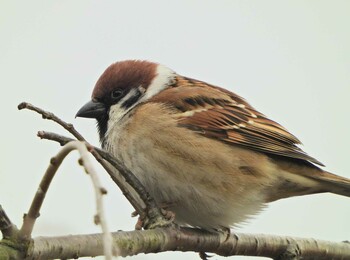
(220, 114)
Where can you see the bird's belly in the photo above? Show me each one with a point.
(203, 189)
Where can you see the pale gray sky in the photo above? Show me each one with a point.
(289, 59)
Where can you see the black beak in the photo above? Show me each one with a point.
(92, 109)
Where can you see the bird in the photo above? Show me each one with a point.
(201, 151)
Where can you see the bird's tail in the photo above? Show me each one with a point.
(300, 180)
(333, 183)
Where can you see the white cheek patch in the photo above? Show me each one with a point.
(162, 80)
(116, 113)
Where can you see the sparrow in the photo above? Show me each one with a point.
(200, 150)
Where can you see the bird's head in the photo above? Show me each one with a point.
(121, 87)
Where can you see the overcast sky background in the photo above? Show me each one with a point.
(289, 59)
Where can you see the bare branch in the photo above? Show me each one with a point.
(51, 116)
(96, 152)
(100, 218)
(55, 162)
(33, 212)
(186, 239)
(153, 212)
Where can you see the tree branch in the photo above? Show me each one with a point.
(100, 218)
(51, 116)
(154, 214)
(186, 239)
(115, 177)
(34, 210)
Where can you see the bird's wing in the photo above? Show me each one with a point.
(220, 114)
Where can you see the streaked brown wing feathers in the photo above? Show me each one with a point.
(218, 113)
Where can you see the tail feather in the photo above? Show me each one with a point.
(333, 183)
(297, 179)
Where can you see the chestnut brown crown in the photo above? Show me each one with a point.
(124, 75)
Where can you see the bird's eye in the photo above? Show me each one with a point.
(116, 94)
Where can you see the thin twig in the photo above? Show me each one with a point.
(51, 116)
(6, 227)
(100, 218)
(55, 162)
(62, 140)
(34, 210)
(153, 212)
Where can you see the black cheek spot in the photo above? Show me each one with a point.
(132, 100)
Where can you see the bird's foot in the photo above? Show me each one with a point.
(225, 231)
(142, 221)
